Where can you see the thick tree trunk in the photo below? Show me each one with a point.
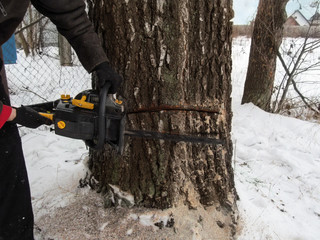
(175, 57)
(266, 40)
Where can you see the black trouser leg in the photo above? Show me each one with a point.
(16, 216)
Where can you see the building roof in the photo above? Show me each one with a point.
(299, 18)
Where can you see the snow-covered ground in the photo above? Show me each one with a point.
(276, 163)
(277, 175)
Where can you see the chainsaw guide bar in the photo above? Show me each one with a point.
(172, 137)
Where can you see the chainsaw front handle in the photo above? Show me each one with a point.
(101, 123)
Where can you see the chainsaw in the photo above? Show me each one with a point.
(99, 118)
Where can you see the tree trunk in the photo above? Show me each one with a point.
(31, 31)
(65, 52)
(175, 57)
(266, 40)
(24, 43)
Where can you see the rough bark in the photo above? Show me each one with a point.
(266, 40)
(175, 57)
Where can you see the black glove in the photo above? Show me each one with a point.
(30, 118)
(105, 73)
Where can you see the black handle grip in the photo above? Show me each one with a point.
(101, 122)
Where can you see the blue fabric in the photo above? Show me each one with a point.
(10, 51)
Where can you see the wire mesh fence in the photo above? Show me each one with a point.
(40, 65)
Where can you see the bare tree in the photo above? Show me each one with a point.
(296, 65)
(266, 40)
(175, 57)
(30, 31)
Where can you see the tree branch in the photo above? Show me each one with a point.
(29, 25)
(303, 98)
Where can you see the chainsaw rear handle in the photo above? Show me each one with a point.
(101, 123)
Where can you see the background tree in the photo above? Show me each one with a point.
(65, 51)
(294, 62)
(176, 59)
(30, 32)
(266, 40)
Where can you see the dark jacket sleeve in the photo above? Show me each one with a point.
(72, 22)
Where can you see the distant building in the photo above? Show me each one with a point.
(315, 19)
(297, 19)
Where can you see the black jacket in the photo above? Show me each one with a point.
(70, 18)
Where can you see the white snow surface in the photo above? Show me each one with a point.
(276, 164)
(55, 165)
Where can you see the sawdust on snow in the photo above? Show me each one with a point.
(86, 218)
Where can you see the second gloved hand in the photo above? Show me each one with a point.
(105, 73)
(30, 118)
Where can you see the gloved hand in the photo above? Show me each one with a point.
(30, 118)
(105, 73)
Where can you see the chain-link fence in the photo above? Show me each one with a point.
(40, 65)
